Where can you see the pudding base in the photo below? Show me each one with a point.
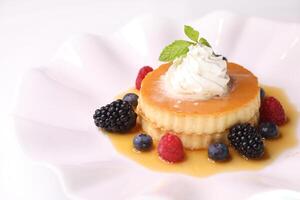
(196, 162)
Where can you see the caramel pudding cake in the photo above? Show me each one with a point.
(199, 98)
(195, 100)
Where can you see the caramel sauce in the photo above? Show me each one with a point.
(197, 164)
(244, 89)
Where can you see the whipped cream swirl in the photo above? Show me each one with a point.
(200, 75)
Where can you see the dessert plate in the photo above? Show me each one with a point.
(56, 102)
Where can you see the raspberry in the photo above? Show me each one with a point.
(170, 148)
(141, 75)
(272, 111)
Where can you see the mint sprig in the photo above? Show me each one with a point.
(191, 33)
(204, 42)
(181, 47)
(174, 50)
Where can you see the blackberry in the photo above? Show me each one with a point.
(117, 116)
(246, 140)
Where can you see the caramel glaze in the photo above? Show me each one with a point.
(241, 80)
(197, 164)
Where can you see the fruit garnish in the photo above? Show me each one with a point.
(170, 148)
(262, 93)
(218, 152)
(272, 111)
(181, 47)
(142, 142)
(141, 75)
(117, 116)
(268, 130)
(132, 99)
(246, 140)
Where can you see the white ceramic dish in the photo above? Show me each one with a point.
(56, 102)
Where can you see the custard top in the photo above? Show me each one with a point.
(244, 88)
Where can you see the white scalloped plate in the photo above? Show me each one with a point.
(56, 102)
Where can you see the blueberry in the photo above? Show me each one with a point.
(262, 94)
(142, 142)
(218, 152)
(132, 99)
(268, 130)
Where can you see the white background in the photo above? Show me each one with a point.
(32, 30)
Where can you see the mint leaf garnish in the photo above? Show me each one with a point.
(191, 33)
(181, 47)
(176, 49)
(203, 41)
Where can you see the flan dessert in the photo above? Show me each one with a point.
(198, 97)
(195, 100)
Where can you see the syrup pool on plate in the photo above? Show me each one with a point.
(196, 162)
